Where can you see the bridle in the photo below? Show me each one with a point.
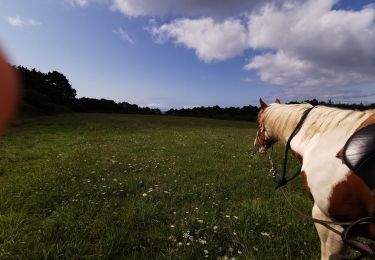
(364, 249)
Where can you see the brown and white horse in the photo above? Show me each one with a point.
(338, 193)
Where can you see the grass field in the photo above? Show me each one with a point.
(144, 187)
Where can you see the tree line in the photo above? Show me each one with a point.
(249, 113)
(51, 93)
(330, 103)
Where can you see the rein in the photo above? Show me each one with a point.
(364, 249)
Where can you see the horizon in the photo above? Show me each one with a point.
(163, 54)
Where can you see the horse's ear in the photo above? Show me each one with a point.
(277, 101)
(262, 104)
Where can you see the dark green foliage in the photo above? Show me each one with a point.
(248, 113)
(330, 103)
(93, 105)
(51, 93)
(59, 88)
(45, 94)
(135, 109)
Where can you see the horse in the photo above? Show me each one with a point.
(337, 192)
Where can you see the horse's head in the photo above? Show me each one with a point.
(263, 140)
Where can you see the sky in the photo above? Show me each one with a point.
(186, 53)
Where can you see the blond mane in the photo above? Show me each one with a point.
(280, 120)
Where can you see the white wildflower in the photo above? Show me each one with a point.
(202, 241)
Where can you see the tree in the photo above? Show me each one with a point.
(59, 88)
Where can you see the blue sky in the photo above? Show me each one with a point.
(166, 53)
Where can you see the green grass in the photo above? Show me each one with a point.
(144, 187)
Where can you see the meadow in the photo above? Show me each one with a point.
(99, 186)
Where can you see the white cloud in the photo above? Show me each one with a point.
(249, 80)
(18, 21)
(313, 45)
(338, 93)
(217, 8)
(81, 3)
(84, 3)
(191, 8)
(307, 44)
(287, 70)
(191, 107)
(212, 41)
(154, 105)
(124, 35)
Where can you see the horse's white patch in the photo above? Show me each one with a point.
(323, 169)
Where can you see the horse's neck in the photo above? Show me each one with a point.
(284, 121)
(329, 128)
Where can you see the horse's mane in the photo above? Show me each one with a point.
(283, 118)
